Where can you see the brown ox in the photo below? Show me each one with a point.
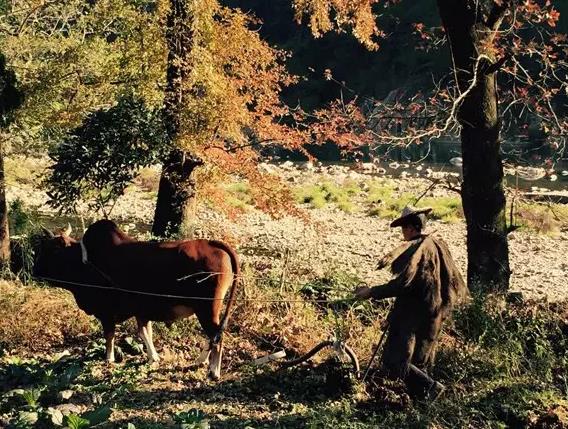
(201, 270)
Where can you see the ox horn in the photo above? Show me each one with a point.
(47, 232)
(68, 230)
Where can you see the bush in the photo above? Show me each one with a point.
(21, 220)
(99, 159)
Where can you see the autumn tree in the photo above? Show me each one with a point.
(222, 93)
(485, 38)
(75, 57)
(216, 82)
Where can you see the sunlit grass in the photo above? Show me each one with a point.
(320, 195)
(542, 218)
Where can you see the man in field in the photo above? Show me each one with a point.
(426, 285)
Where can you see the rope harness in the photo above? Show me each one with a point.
(191, 298)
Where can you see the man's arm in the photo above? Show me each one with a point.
(389, 290)
(396, 287)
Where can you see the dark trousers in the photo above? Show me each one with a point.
(409, 350)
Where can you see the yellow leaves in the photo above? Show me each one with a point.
(72, 58)
(233, 81)
(340, 15)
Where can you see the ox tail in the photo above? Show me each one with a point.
(232, 293)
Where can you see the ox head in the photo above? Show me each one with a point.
(52, 251)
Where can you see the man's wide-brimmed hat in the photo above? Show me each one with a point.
(407, 212)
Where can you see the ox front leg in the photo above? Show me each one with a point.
(145, 333)
(109, 329)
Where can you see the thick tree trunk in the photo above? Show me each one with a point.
(177, 187)
(483, 196)
(175, 194)
(4, 231)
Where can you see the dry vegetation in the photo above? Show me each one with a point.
(505, 365)
(37, 319)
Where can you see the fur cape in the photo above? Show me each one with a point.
(424, 269)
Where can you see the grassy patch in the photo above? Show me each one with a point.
(318, 196)
(445, 209)
(38, 319)
(505, 365)
(239, 195)
(542, 218)
(386, 201)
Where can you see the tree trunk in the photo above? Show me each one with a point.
(175, 194)
(483, 196)
(10, 99)
(177, 187)
(4, 231)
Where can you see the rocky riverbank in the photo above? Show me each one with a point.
(334, 240)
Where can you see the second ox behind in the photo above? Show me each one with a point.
(135, 277)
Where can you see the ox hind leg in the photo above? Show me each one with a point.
(146, 335)
(209, 316)
(109, 328)
(211, 326)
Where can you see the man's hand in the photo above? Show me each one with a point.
(363, 292)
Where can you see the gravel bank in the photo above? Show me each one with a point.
(349, 242)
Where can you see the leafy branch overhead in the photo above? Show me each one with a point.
(97, 160)
(520, 40)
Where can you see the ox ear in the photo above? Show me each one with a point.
(47, 232)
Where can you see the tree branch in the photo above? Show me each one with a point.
(235, 148)
(492, 68)
(498, 13)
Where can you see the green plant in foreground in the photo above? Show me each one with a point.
(192, 419)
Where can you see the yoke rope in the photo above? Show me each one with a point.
(195, 298)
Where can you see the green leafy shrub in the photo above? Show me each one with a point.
(20, 219)
(192, 419)
(99, 159)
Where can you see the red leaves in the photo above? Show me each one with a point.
(552, 17)
(532, 11)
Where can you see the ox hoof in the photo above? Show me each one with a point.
(154, 361)
(214, 377)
